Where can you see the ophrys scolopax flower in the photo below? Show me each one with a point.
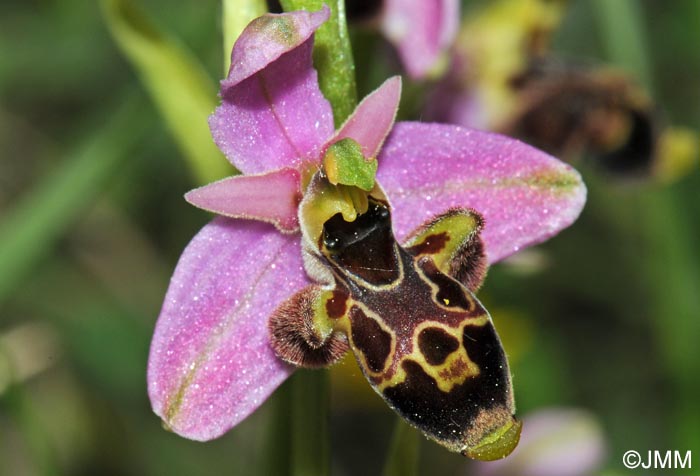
(313, 240)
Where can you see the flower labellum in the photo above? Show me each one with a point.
(422, 31)
(422, 339)
(373, 237)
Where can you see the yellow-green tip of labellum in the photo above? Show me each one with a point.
(498, 444)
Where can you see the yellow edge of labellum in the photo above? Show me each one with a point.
(498, 444)
(322, 322)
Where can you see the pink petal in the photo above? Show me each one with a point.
(373, 118)
(273, 114)
(272, 197)
(210, 364)
(421, 31)
(525, 195)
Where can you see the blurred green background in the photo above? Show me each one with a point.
(92, 222)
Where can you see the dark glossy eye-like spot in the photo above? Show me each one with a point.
(364, 248)
(331, 242)
(436, 345)
(370, 339)
(339, 234)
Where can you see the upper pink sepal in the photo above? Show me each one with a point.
(273, 114)
(268, 37)
(210, 363)
(271, 197)
(421, 30)
(524, 194)
(372, 120)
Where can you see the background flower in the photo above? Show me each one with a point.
(505, 77)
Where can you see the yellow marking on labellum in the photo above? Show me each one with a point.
(455, 369)
(323, 323)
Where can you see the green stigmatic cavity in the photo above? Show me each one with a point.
(344, 164)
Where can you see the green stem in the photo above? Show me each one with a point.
(310, 389)
(310, 440)
(402, 459)
(277, 434)
(29, 230)
(332, 56)
(236, 14)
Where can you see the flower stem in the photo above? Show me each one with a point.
(402, 458)
(332, 56)
(310, 441)
(277, 434)
(310, 389)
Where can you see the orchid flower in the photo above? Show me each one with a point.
(504, 78)
(422, 31)
(212, 361)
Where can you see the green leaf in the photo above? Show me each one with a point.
(236, 16)
(332, 56)
(402, 458)
(17, 404)
(345, 164)
(624, 39)
(177, 82)
(673, 284)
